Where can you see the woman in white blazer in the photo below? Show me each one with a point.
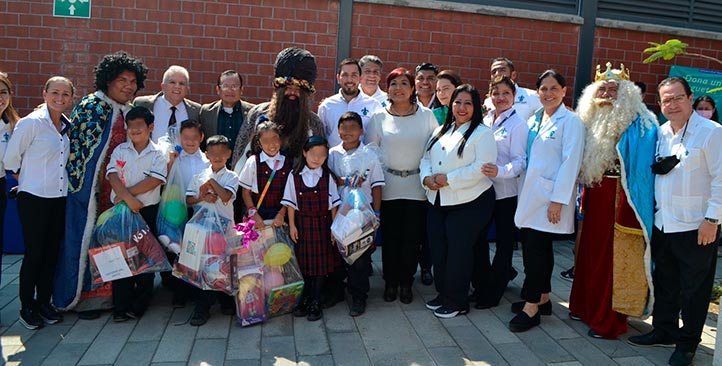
(546, 200)
(462, 197)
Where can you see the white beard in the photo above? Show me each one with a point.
(600, 152)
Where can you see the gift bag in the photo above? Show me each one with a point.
(172, 210)
(251, 296)
(354, 226)
(205, 258)
(123, 246)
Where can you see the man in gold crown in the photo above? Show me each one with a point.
(612, 277)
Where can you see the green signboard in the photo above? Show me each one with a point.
(701, 81)
(71, 8)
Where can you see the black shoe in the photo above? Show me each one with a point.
(681, 358)
(406, 295)
(435, 303)
(120, 317)
(651, 339)
(447, 313)
(390, 294)
(544, 309)
(30, 319)
(49, 314)
(179, 301)
(132, 315)
(199, 317)
(523, 322)
(302, 308)
(568, 274)
(593, 333)
(573, 316)
(485, 304)
(314, 311)
(358, 307)
(334, 298)
(89, 314)
(427, 278)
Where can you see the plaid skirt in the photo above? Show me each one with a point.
(316, 255)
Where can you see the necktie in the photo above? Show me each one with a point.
(171, 121)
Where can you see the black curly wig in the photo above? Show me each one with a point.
(113, 65)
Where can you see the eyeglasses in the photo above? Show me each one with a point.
(230, 87)
(676, 99)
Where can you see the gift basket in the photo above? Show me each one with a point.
(205, 256)
(123, 246)
(354, 226)
(172, 211)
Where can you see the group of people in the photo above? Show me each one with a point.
(451, 165)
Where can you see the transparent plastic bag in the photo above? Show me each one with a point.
(251, 296)
(123, 246)
(205, 259)
(354, 226)
(172, 211)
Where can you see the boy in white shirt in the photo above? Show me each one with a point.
(350, 128)
(136, 171)
(216, 185)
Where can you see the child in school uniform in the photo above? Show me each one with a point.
(312, 200)
(192, 161)
(216, 185)
(350, 129)
(257, 172)
(136, 171)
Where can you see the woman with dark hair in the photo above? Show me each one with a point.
(546, 201)
(8, 118)
(446, 82)
(706, 107)
(462, 197)
(510, 133)
(97, 127)
(401, 130)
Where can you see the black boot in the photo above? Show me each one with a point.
(314, 304)
(302, 306)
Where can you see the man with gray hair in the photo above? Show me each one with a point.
(170, 106)
(371, 74)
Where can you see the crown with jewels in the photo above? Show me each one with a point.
(612, 74)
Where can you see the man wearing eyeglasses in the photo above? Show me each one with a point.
(227, 115)
(526, 101)
(688, 195)
(371, 75)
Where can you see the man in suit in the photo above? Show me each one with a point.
(170, 106)
(227, 115)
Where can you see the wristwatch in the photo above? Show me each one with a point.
(712, 221)
(252, 211)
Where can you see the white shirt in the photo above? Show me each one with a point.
(510, 133)
(310, 179)
(133, 167)
(693, 189)
(340, 161)
(249, 175)
(41, 154)
(466, 182)
(403, 142)
(526, 102)
(333, 107)
(554, 161)
(192, 164)
(431, 102)
(226, 178)
(380, 96)
(5, 133)
(162, 112)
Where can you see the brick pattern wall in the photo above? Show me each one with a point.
(208, 37)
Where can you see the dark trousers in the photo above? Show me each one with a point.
(538, 263)
(403, 229)
(683, 277)
(358, 276)
(206, 298)
(43, 226)
(453, 231)
(490, 281)
(3, 205)
(134, 293)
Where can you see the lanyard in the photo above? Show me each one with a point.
(268, 184)
(513, 112)
(681, 140)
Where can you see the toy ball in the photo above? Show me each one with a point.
(175, 212)
(216, 244)
(271, 280)
(174, 248)
(277, 255)
(173, 192)
(164, 239)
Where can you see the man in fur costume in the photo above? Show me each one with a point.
(97, 127)
(612, 278)
(289, 108)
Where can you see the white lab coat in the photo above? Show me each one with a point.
(554, 162)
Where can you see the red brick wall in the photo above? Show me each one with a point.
(209, 37)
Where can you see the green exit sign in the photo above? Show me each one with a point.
(71, 8)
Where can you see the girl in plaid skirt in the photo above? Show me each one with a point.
(312, 199)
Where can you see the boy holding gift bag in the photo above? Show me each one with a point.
(363, 172)
(217, 186)
(136, 170)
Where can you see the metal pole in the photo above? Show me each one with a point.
(343, 40)
(583, 76)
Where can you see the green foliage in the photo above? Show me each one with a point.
(666, 51)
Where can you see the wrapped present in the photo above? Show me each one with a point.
(251, 297)
(123, 246)
(172, 210)
(205, 259)
(354, 226)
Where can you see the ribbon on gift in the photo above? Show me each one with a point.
(249, 234)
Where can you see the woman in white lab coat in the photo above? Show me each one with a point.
(546, 201)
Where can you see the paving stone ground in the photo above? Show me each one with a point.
(388, 334)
